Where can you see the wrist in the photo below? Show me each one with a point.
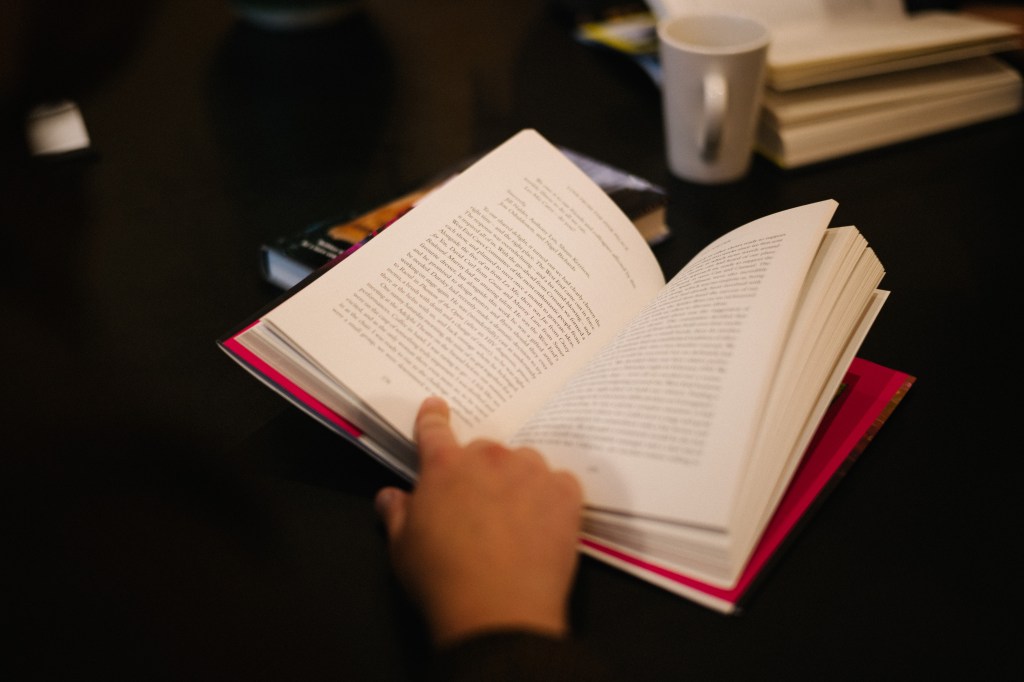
(454, 623)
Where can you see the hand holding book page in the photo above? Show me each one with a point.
(523, 296)
(506, 278)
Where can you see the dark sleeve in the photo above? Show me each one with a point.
(514, 655)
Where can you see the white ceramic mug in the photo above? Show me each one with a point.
(713, 72)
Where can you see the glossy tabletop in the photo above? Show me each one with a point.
(172, 518)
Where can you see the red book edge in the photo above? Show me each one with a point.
(871, 392)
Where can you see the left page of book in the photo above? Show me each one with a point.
(491, 294)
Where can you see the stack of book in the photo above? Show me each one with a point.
(849, 77)
(807, 125)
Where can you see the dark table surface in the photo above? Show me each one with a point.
(169, 517)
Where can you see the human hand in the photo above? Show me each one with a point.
(487, 539)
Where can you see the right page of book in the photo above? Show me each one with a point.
(661, 423)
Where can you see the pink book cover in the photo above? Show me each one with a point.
(870, 393)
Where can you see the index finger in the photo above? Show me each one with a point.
(433, 430)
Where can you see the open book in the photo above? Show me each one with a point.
(520, 293)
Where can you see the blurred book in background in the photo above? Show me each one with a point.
(848, 77)
(822, 122)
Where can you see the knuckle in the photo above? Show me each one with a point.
(489, 448)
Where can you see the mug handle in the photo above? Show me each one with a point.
(716, 98)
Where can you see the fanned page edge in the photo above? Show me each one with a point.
(871, 394)
(651, 487)
(308, 404)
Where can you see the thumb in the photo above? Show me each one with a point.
(390, 504)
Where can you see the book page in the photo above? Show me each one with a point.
(661, 422)
(491, 293)
(870, 394)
